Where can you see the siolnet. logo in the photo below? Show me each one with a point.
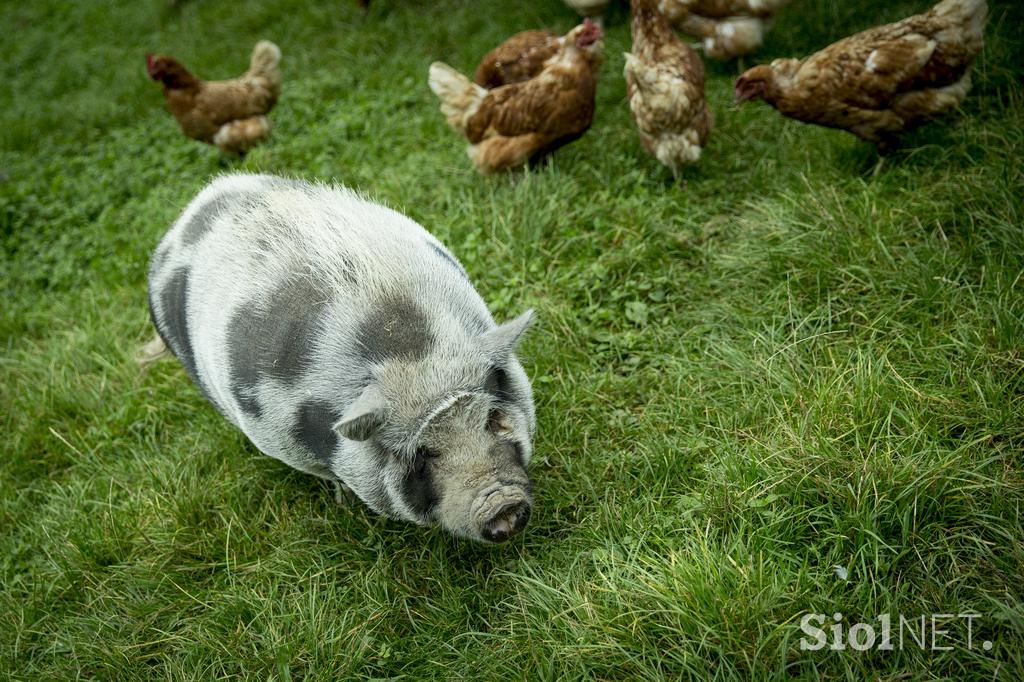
(932, 632)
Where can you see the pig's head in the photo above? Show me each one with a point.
(448, 423)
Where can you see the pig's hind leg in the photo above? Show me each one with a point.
(151, 352)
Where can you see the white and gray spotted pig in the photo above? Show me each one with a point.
(346, 341)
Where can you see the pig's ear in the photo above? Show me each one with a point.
(502, 340)
(365, 416)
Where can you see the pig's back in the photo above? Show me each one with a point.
(261, 286)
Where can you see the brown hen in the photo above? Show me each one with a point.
(511, 124)
(229, 114)
(880, 82)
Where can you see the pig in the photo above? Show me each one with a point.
(346, 341)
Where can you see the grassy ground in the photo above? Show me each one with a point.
(786, 366)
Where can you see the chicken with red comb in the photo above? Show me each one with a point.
(230, 114)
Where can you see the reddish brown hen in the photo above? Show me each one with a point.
(229, 114)
(511, 124)
(882, 81)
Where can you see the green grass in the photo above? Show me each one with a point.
(786, 365)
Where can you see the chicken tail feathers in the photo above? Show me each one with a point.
(459, 96)
(266, 57)
(677, 150)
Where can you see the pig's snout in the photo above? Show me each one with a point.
(509, 520)
(500, 510)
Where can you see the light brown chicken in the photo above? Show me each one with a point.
(882, 81)
(511, 124)
(665, 87)
(229, 114)
(726, 28)
(519, 58)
